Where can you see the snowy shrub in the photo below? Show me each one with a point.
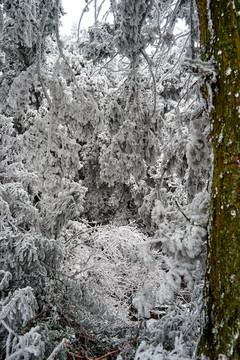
(149, 352)
(19, 95)
(175, 334)
(17, 309)
(118, 264)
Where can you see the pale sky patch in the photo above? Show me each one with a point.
(73, 10)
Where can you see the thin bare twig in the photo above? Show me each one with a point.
(37, 316)
(76, 356)
(97, 340)
(186, 217)
(65, 318)
(108, 354)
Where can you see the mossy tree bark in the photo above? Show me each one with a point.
(220, 43)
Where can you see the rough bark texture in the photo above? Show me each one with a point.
(220, 41)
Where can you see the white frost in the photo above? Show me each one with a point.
(233, 213)
(228, 72)
(220, 139)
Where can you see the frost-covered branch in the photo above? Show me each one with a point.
(9, 329)
(86, 95)
(39, 52)
(153, 80)
(58, 348)
(1, 18)
(199, 67)
(7, 308)
(7, 276)
(105, 65)
(86, 7)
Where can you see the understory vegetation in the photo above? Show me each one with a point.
(105, 175)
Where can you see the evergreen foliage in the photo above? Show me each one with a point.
(105, 167)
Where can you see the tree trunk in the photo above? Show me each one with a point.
(220, 42)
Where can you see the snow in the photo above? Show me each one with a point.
(105, 201)
(228, 72)
(220, 138)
